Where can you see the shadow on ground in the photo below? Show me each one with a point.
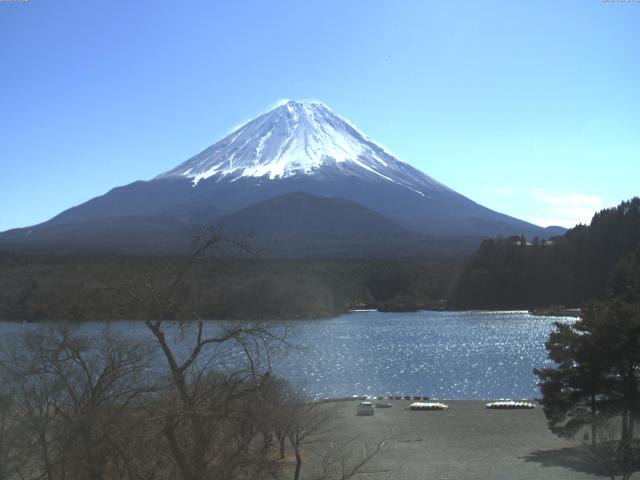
(573, 458)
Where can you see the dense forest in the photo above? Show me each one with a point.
(568, 270)
(78, 287)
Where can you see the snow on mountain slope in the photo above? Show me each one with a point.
(300, 138)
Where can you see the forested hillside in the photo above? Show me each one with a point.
(567, 270)
(99, 287)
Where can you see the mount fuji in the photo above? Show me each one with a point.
(298, 161)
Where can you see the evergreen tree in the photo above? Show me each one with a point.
(597, 372)
(572, 392)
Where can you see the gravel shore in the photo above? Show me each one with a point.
(467, 441)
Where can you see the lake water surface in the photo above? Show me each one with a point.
(446, 355)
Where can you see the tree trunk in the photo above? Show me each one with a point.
(282, 438)
(267, 440)
(594, 429)
(296, 474)
(45, 458)
(625, 430)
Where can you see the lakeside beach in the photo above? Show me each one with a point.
(466, 442)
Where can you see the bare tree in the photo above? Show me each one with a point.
(72, 393)
(214, 375)
(13, 441)
(341, 461)
(277, 411)
(308, 420)
(311, 433)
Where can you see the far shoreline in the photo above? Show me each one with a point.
(559, 312)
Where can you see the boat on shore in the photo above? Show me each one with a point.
(510, 405)
(428, 406)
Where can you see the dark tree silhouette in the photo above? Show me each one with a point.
(567, 270)
(596, 380)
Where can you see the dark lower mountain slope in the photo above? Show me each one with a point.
(125, 234)
(169, 203)
(299, 225)
(294, 225)
(300, 215)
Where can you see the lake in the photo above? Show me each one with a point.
(446, 355)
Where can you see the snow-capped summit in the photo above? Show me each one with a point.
(299, 138)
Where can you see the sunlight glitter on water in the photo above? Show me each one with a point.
(452, 355)
(445, 355)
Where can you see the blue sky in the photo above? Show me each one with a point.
(530, 108)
